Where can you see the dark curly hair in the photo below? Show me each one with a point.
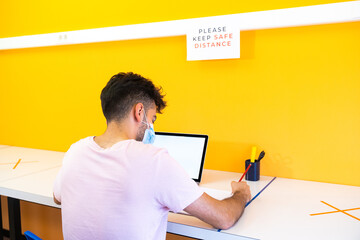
(124, 90)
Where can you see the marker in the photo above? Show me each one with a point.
(253, 153)
(261, 156)
(245, 172)
(17, 163)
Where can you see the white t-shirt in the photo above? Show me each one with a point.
(122, 192)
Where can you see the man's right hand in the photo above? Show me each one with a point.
(241, 188)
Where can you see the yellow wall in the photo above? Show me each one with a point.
(294, 92)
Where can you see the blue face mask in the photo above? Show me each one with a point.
(149, 135)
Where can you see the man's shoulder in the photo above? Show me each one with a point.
(144, 149)
(79, 144)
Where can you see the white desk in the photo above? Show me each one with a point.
(32, 161)
(4, 146)
(281, 211)
(33, 177)
(18, 183)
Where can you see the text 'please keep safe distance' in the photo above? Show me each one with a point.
(212, 38)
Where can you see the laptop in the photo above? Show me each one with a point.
(187, 149)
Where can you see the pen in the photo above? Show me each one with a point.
(17, 163)
(252, 160)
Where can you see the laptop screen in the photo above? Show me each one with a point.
(187, 149)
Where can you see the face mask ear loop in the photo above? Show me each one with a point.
(147, 124)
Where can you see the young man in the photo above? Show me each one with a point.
(118, 186)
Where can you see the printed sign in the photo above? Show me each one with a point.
(213, 41)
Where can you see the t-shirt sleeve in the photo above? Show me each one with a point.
(58, 179)
(175, 189)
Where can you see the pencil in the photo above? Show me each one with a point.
(17, 163)
(245, 172)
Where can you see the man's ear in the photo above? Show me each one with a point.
(139, 112)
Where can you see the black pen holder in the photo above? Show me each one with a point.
(253, 174)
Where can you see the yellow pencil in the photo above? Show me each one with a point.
(17, 163)
(253, 153)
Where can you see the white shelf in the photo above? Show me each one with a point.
(290, 17)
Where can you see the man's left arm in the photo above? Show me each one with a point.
(56, 201)
(57, 188)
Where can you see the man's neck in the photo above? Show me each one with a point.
(114, 133)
